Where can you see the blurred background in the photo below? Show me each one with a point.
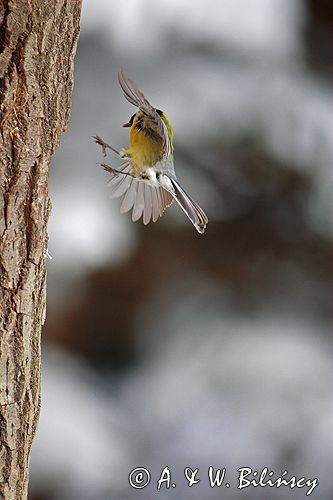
(165, 347)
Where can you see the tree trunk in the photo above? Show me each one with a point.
(37, 46)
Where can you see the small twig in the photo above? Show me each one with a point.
(104, 145)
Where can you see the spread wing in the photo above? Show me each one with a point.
(147, 201)
(134, 95)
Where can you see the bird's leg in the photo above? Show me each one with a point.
(104, 145)
(112, 170)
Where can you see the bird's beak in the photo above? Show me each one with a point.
(128, 124)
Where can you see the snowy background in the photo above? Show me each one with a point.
(164, 347)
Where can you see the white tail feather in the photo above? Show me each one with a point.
(195, 213)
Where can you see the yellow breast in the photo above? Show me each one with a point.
(143, 150)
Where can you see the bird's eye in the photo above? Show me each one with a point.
(159, 112)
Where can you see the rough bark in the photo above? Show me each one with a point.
(37, 46)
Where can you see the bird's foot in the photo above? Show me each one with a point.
(105, 145)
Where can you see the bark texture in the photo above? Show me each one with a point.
(37, 46)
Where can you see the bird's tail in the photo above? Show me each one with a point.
(195, 213)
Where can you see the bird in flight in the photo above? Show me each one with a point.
(147, 178)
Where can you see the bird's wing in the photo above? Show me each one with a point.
(134, 95)
(147, 201)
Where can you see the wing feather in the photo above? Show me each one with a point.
(130, 196)
(117, 178)
(148, 205)
(167, 199)
(121, 188)
(119, 183)
(134, 95)
(147, 201)
(155, 204)
(139, 203)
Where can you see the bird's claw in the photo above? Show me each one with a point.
(104, 145)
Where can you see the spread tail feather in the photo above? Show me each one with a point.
(195, 213)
